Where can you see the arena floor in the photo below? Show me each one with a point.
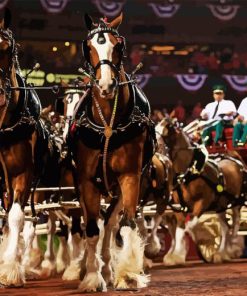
(195, 278)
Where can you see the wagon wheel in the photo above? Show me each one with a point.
(208, 237)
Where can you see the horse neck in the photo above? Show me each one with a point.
(14, 83)
(106, 106)
(180, 152)
(14, 98)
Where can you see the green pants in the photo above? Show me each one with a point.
(239, 133)
(206, 134)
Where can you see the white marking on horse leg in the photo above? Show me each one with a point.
(190, 227)
(28, 236)
(129, 261)
(153, 243)
(113, 223)
(62, 259)
(221, 254)
(77, 249)
(171, 224)
(178, 255)
(48, 264)
(93, 280)
(11, 271)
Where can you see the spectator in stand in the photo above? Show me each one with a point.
(213, 62)
(179, 112)
(221, 110)
(196, 112)
(136, 55)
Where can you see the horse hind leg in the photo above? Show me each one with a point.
(93, 280)
(177, 253)
(62, 258)
(76, 244)
(128, 267)
(48, 265)
(28, 256)
(221, 255)
(153, 245)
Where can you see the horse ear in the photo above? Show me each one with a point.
(7, 18)
(116, 22)
(88, 21)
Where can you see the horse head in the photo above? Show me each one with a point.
(167, 127)
(103, 50)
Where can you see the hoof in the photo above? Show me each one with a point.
(48, 269)
(107, 275)
(93, 282)
(72, 272)
(221, 257)
(12, 275)
(147, 263)
(153, 247)
(32, 274)
(133, 282)
(174, 259)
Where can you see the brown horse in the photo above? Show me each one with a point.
(201, 184)
(18, 138)
(112, 143)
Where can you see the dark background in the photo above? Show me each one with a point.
(38, 32)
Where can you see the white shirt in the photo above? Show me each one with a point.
(225, 106)
(242, 109)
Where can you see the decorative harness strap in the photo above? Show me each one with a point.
(107, 134)
(193, 172)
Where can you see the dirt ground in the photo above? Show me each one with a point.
(195, 278)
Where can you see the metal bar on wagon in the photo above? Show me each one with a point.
(41, 189)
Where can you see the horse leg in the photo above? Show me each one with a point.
(77, 248)
(93, 280)
(178, 253)
(11, 271)
(48, 265)
(153, 243)
(171, 223)
(234, 246)
(129, 264)
(143, 231)
(110, 224)
(27, 261)
(221, 255)
(62, 258)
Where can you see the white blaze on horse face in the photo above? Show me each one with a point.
(72, 100)
(104, 51)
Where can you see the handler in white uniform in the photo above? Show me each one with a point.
(222, 110)
(240, 127)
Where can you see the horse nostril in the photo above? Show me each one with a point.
(114, 83)
(97, 81)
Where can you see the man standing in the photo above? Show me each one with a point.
(221, 110)
(240, 126)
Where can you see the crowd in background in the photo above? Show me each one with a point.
(184, 115)
(203, 60)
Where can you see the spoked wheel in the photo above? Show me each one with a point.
(208, 237)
